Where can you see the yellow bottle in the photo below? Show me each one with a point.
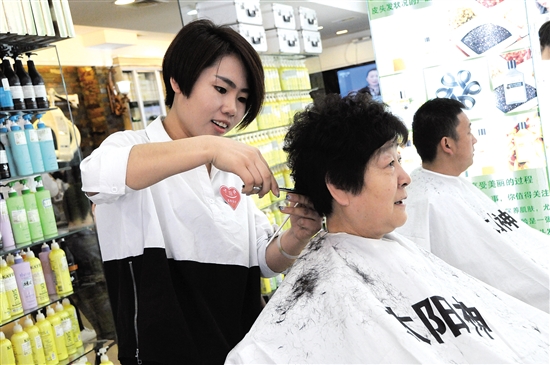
(10, 286)
(104, 359)
(5, 309)
(36, 341)
(59, 335)
(74, 320)
(22, 348)
(6, 351)
(67, 327)
(47, 335)
(38, 279)
(60, 268)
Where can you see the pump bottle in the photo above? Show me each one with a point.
(60, 268)
(21, 342)
(44, 257)
(18, 217)
(104, 358)
(33, 217)
(47, 335)
(25, 285)
(38, 278)
(6, 350)
(10, 286)
(67, 327)
(34, 145)
(45, 209)
(5, 226)
(47, 146)
(36, 342)
(59, 335)
(74, 321)
(20, 150)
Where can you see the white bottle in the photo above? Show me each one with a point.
(514, 85)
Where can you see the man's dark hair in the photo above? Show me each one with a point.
(435, 119)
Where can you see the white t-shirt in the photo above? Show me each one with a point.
(453, 219)
(194, 216)
(350, 299)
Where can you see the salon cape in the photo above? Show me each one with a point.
(457, 222)
(349, 299)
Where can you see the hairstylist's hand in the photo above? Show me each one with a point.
(304, 219)
(246, 162)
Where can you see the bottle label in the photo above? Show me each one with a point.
(28, 91)
(33, 216)
(67, 325)
(19, 138)
(46, 203)
(26, 347)
(38, 342)
(58, 330)
(44, 134)
(9, 282)
(4, 139)
(33, 136)
(3, 157)
(19, 216)
(40, 91)
(17, 92)
(37, 275)
(6, 84)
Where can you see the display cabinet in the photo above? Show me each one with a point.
(67, 200)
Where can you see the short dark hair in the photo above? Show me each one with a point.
(199, 45)
(333, 140)
(544, 35)
(435, 119)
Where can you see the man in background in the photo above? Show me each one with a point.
(453, 219)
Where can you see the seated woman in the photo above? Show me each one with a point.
(360, 293)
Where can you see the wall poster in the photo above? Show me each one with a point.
(486, 54)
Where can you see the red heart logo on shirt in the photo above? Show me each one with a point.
(231, 196)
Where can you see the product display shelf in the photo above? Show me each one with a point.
(20, 45)
(62, 232)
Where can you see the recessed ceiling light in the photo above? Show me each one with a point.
(123, 2)
(340, 32)
(192, 12)
(320, 27)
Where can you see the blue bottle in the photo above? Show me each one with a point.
(20, 150)
(47, 147)
(5, 141)
(34, 146)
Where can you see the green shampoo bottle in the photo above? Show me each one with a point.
(45, 209)
(33, 218)
(18, 217)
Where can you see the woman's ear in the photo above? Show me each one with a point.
(174, 85)
(340, 196)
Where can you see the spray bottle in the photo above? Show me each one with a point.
(36, 341)
(67, 327)
(38, 278)
(33, 144)
(10, 286)
(45, 209)
(47, 335)
(104, 358)
(23, 278)
(21, 342)
(33, 217)
(44, 257)
(20, 150)
(5, 226)
(59, 335)
(47, 146)
(18, 217)
(74, 321)
(6, 350)
(60, 268)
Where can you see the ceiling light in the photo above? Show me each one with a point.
(192, 12)
(123, 2)
(320, 27)
(340, 32)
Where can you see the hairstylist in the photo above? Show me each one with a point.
(183, 243)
